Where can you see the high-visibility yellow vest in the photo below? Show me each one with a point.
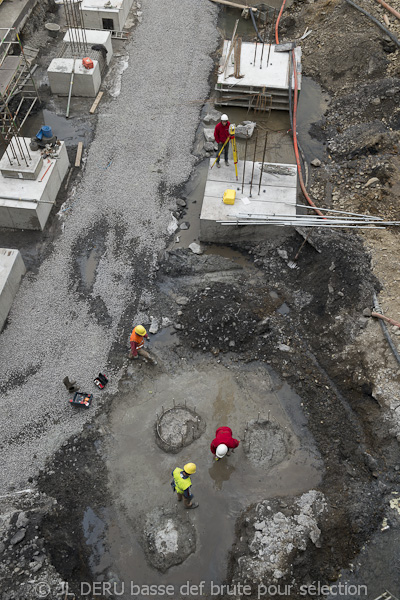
(180, 484)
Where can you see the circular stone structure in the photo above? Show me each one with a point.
(178, 427)
(168, 538)
(267, 443)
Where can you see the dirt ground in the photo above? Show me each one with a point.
(251, 315)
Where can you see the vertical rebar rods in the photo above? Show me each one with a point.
(262, 164)
(262, 51)
(244, 164)
(254, 160)
(270, 36)
(77, 34)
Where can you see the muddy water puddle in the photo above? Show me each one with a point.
(140, 472)
(88, 264)
(71, 131)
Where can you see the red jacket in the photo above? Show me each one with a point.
(221, 132)
(223, 436)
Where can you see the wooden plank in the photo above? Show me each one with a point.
(234, 5)
(79, 154)
(96, 102)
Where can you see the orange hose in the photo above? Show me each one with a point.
(389, 8)
(391, 321)
(277, 22)
(296, 149)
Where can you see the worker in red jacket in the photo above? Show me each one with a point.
(223, 442)
(221, 134)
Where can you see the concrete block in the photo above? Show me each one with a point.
(26, 204)
(92, 37)
(278, 192)
(86, 81)
(12, 269)
(9, 166)
(59, 74)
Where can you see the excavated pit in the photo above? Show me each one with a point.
(168, 538)
(267, 444)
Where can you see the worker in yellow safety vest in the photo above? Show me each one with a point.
(181, 484)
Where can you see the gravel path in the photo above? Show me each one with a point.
(143, 145)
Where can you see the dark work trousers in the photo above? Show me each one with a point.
(226, 151)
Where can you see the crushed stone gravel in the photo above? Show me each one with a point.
(142, 146)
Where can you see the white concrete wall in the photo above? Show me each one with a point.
(93, 17)
(12, 269)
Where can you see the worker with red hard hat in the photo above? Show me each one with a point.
(221, 134)
(223, 443)
(136, 341)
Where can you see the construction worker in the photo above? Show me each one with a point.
(221, 134)
(182, 483)
(223, 443)
(138, 335)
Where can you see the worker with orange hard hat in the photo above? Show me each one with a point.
(138, 335)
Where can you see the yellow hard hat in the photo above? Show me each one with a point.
(140, 330)
(190, 468)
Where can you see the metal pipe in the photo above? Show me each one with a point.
(71, 83)
(254, 159)
(324, 225)
(244, 164)
(262, 164)
(255, 54)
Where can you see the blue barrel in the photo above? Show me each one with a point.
(47, 132)
(44, 131)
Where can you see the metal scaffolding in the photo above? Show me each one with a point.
(18, 95)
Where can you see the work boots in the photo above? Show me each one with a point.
(70, 385)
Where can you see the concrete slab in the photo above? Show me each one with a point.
(92, 37)
(15, 14)
(99, 14)
(7, 71)
(272, 79)
(86, 81)
(12, 269)
(278, 195)
(26, 204)
(30, 169)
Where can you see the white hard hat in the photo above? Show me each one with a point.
(221, 450)
(224, 118)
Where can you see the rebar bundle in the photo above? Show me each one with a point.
(75, 24)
